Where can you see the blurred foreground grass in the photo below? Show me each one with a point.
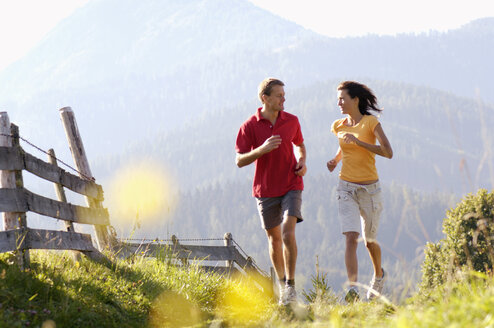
(60, 292)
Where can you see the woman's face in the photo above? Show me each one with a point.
(346, 103)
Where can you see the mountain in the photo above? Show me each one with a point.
(143, 65)
(131, 70)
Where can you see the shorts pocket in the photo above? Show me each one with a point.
(377, 202)
(374, 192)
(342, 195)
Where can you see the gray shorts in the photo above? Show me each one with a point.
(272, 210)
(359, 207)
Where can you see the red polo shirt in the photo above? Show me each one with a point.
(275, 171)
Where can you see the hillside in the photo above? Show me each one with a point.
(57, 292)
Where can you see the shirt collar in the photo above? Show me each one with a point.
(281, 115)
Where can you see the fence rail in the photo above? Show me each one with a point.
(16, 200)
(15, 159)
(22, 200)
(27, 238)
(235, 262)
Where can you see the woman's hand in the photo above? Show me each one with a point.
(349, 138)
(331, 165)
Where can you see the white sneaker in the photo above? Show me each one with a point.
(288, 295)
(291, 295)
(376, 286)
(283, 294)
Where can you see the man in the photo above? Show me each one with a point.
(268, 138)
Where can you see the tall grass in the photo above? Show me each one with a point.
(150, 292)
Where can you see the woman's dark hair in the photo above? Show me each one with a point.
(366, 99)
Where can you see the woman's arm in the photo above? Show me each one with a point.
(332, 163)
(383, 149)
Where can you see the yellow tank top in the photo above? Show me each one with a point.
(358, 164)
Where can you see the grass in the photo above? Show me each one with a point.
(88, 294)
(60, 292)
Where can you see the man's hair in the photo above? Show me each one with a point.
(267, 85)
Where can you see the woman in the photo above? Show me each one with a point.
(359, 193)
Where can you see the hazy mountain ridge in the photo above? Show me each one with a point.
(153, 65)
(154, 38)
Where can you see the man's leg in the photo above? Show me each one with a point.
(289, 246)
(351, 260)
(276, 250)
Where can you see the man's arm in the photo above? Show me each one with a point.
(269, 145)
(300, 168)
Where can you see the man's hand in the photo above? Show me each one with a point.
(270, 144)
(300, 168)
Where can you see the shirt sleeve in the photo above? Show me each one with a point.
(244, 140)
(298, 138)
(373, 122)
(334, 126)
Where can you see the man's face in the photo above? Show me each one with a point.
(275, 101)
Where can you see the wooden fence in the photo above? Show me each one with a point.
(16, 200)
(234, 261)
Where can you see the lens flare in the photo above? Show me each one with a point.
(173, 310)
(140, 193)
(241, 302)
(49, 324)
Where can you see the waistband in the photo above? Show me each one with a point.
(350, 185)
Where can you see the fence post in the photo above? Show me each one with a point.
(176, 246)
(69, 226)
(80, 159)
(22, 254)
(13, 179)
(7, 177)
(228, 241)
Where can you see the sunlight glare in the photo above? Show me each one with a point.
(141, 192)
(242, 302)
(173, 310)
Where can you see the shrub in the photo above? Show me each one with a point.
(469, 241)
(321, 292)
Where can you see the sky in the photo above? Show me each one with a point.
(24, 23)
